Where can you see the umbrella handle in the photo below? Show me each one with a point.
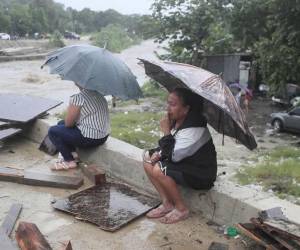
(49, 60)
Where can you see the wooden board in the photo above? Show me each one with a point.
(11, 218)
(29, 237)
(258, 236)
(49, 180)
(30, 177)
(285, 239)
(11, 174)
(22, 108)
(5, 242)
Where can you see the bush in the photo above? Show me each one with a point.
(114, 38)
(56, 40)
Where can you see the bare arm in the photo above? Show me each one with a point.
(73, 113)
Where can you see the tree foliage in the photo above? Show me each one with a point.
(114, 38)
(22, 17)
(270, 29)
(192, 27)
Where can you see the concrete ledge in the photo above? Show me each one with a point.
(226, 203)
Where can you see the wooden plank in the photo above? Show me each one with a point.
(30, 177)
(11, 218)
(283, 238)
(48, 180)
(11, 174)
(94, 173)
(29, 237)
(293, 228)
(5, 242)
(23, 108)
(261, 238)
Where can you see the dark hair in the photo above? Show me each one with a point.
(189, 98)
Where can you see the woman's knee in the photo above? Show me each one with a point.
(157, 173)
(147, 167)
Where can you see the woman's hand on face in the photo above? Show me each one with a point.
(165, 125)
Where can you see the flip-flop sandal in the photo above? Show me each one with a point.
(158, 212)
(62, 165)
(174, 216)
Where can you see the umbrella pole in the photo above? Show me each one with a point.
(221, 117)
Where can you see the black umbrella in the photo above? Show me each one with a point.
(220, 108)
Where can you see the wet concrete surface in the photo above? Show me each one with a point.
(59, 227)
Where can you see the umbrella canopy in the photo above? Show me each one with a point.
(96, 69)
(220, 107)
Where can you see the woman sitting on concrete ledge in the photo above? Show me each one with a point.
(186, 155)
(86, 125)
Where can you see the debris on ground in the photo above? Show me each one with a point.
(19, 111)
(7, 226)
(110, 206)
(34, 178)
(272, 230)
(29, 237)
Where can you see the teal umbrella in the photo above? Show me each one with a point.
(96, 69)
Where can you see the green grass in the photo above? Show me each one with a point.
(137, 128)
(152, 89)
(279, 171)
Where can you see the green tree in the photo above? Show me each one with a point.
(271, 29)
(114, 38)
(193, 27)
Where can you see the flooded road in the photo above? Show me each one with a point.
(27, 77)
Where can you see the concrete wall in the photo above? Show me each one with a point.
(226, 203)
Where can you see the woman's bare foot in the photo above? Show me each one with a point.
(159, 211)
(174, 216)
(64, 165)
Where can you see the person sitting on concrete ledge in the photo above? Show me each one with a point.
(86, 125)
(186, 155)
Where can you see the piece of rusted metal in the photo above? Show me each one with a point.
(109, 206)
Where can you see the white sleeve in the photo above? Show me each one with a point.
(188, 141)
(77, 100)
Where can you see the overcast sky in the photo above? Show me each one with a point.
(122, 6)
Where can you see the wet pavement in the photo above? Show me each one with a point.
(59, 227)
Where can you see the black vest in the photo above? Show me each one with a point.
(203, 163)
